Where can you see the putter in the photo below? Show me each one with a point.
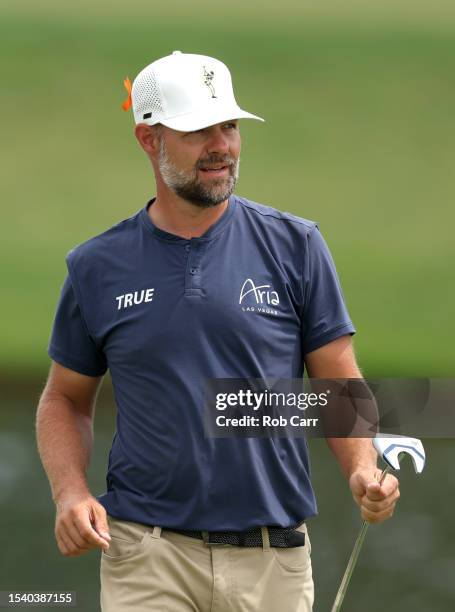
(389, 447)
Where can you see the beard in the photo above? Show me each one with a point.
(188, 186)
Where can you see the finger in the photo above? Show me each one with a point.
(79, 540)
(381, 505)
(68, 545)
(375, 492)
(100, 522)
(377, 517)
(88, 534)
(73, 540)
(358, 499)
(390, 484)
(61, 545)
(357, 485)
(67, 531)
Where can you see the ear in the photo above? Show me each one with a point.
(148, 137)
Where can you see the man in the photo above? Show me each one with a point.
(175, 295)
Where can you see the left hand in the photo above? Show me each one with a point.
(377, 502)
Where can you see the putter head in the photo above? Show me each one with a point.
(390, 446)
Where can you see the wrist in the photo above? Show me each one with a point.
(74, 489)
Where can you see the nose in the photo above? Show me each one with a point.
(218, 142)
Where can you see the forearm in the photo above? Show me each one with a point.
(353, 454)
(65, 441)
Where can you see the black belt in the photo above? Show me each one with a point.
(279, 537)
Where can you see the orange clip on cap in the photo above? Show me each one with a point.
(128, 102)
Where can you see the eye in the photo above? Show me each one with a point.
(231, 125)
(193, 132)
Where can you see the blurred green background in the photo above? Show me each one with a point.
(359, 104)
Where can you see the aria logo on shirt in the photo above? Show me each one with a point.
(130, 299)
(262, 298)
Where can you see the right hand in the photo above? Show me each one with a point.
(80, 524)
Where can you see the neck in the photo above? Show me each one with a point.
(182, 218)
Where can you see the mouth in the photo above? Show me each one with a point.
(219, 170)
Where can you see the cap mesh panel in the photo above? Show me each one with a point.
(146, 96)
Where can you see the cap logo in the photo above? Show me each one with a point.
(208, 78)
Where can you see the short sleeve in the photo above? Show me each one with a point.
(325, 316)
(70, 343)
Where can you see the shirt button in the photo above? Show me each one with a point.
(187, 248)
(193, 270)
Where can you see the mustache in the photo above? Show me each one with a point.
(216, 159)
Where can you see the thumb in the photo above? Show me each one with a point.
(100, 521)
(373, 485)
(374, 490)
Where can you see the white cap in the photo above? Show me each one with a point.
(185, 92)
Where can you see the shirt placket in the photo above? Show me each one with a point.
(193, 273)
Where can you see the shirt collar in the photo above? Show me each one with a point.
(213, 231)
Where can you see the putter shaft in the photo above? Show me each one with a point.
(353, 558)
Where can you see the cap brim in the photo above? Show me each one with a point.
(204, 118)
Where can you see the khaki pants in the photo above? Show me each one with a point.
(147, 569)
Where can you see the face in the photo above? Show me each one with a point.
(201, 167)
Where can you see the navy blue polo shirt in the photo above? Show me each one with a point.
(249, 298)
